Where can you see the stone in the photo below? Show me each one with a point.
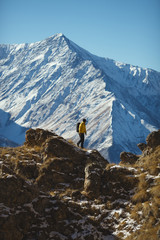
(27, 168)
(15, 190)
(37, 137)
(142, 146)
(92, 183)
(59, 147)
(153, 139)
(127, 157)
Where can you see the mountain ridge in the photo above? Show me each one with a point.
(51, 189)
(54, 83)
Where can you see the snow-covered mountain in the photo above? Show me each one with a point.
(54, 83)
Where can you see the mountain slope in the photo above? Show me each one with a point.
(54, 83)
(11, 134)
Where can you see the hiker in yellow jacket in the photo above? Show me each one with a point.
(82, 131)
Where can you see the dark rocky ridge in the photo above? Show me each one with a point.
(52, 190)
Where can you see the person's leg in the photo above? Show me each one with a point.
(79, 140)
(82, 140)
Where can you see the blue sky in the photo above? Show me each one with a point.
(124, 30)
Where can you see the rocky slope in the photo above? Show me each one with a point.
(52, 190)
(53, 84)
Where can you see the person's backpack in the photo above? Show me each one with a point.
(77, 127)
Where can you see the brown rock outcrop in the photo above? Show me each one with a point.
(35, 137)
(15, 190)
(37, 182)
(92, 182)
(142, 146)
(50, 189)
(153, 139)
(127, 157)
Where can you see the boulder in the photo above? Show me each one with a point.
(127, 157)
(37, 137)
(117, 181)
(95, 156)
(55, 171)
(92, 183)
(27, 168)
(142, 146)
(153, 139)
(15, 190)
(56, 146)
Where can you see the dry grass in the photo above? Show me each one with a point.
(148, 186)
(143, 184)
(37, 148)
(2, 151)
(151, 162)
(141, 194)
(155, 191)
(146, 208)
(156, 210)
(145, 234)
(146, 200)
(157, 201)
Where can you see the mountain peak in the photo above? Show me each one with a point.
(55, 36)
(54, 84)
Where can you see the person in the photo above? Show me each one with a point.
(82, 131)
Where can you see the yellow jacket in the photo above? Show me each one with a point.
(82, 128)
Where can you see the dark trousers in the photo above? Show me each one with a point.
(81, 135)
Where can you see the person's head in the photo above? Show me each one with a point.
(84, 120)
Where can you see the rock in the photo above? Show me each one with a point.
(95, 156)
(117, 181)
(55, 171)
(127, 157)
(7, 169)
(37, 137)
(142, 146)
(9, 229)
(27, 168)
(92, 183)
(15, 190)
(59, 147)
(50, 189)
(153, 139)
